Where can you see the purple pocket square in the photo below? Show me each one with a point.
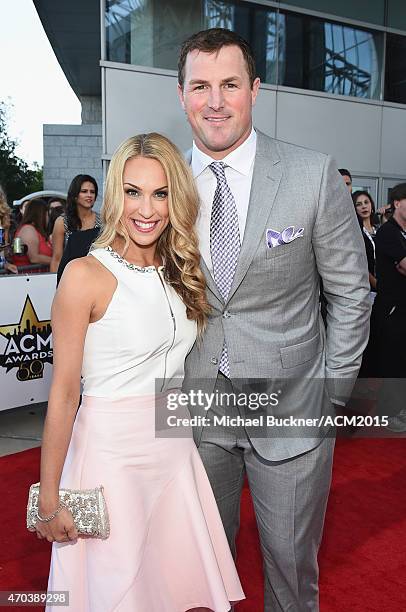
(275, 238)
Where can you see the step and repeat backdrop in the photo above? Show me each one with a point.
(25, 339)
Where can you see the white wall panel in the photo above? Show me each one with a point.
(140, 102)
(394, 142)
(265, 111)
(350, 131)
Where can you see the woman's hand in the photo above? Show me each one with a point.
(59, 529)
(11, 267)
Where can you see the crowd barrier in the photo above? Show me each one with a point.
(26, 349)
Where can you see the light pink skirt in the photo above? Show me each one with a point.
(167, 550)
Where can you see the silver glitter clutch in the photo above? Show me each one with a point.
(88, 508)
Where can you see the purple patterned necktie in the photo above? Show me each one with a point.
(224, 242)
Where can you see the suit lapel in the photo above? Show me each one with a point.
(265, 183)
(211, 285)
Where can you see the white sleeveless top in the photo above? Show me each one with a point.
(144, 334)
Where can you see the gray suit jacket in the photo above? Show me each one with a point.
(271, 321)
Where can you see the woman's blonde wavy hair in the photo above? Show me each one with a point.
(178, 244)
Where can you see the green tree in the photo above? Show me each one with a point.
(16, 178)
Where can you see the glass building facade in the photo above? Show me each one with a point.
(395, 71)
(291, 48)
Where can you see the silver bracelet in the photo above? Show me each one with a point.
(46, 519)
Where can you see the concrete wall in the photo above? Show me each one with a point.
(71, 150)
(91, 109)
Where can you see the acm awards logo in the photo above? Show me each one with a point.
(29, 344)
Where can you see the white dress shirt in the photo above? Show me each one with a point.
(239, 172)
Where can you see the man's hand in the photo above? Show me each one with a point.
(383, 210)
(401, 266)
(400, 269)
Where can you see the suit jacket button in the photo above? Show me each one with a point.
(214, 360)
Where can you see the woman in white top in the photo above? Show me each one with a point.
(125, 317)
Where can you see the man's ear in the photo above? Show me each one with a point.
(181, 96)
(255, 89)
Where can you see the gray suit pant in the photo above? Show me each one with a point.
(289, 498)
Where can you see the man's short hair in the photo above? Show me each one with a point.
(398, 192)
(211, 41)
(345, 172)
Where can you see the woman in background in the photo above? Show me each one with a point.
(56, 203)
(17, 215)
(82, 194)
(5, 223)
(5, 216)
(33, 233)
(54, 212)
(365, 209)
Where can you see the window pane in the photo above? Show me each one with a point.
(395, 77)
(294, 49)
(325, 56)
(371, 11)
(397, 14)
(150, 32)
(218, 14)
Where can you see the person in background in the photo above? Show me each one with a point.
(384, 212)
(33, 233)
(17, 218)
(78, 245)
(5, 217)
(23, 207)
(55, 203)
(365, 209)
(346, 174)
(54, 212)
(79, 215)
(388, 320)
(5, 222)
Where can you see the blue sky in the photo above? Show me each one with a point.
(31, 79)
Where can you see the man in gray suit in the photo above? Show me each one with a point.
(274, 219)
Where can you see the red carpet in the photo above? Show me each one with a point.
(363, 555)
